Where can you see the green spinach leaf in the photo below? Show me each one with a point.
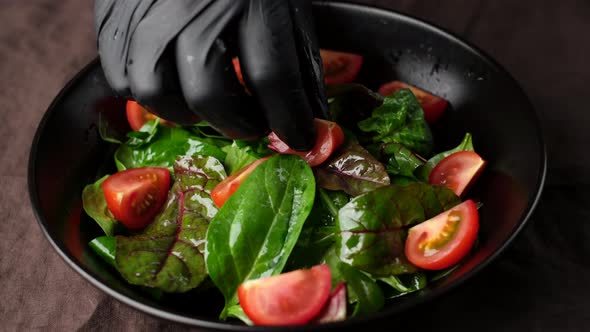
(398, 160)
(241, 154)
(353, 170)
(158, 145)
(104, 246)
(169, 253)
(423, 172)
(319, 231)
(400, 119)
(95, 205)
(373, 227)
(255, 231)
(404, 284)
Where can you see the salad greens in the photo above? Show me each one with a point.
(170, 253)
(400, 119)
(95, 206)
(352, 212)
(159, 145)
(372, 227)
(354, 170)
(255, 231)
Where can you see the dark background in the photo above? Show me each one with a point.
(538, 284)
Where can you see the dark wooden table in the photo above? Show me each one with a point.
(539, 284)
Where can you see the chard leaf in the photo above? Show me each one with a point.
(255, 231)
(158, 145)
(400, 119)
(169, 253)
(354, 170)
(373, 227)
(423, 172)
(95, 205)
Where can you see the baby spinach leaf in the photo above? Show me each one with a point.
(319, 231)
(404, 284)
(423, 172)
(104, 246)
(95, 206)
(106, 131)
(241, 154)
(255, 231)
(354, 170)
(400, 160)
(373, 227)
(400, 119)
(158, 145)
(169, 253)
(204, 129)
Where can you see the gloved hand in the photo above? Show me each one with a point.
(175, 58)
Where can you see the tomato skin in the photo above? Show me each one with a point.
(224, 189)
(291, 298)
(457, 171)
(134, 196)
(433, 106)
(340, 67)
(137, 116)
(446, 250)
(329, 137)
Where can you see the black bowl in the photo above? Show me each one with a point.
(68, 153)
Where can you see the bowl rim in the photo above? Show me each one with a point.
(400, 307)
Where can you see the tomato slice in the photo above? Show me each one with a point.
(340, 67)
(457, 171)
(292, 298)
(433, 106)
(137, 116)
(136, 195)
(330, 136)
(445, 239)
(224, 189)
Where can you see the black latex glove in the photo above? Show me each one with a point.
(174, 56)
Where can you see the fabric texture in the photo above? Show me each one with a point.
(538, 284)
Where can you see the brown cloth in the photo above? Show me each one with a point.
(544, 44)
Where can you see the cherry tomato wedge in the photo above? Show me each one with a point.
(330, 136)
(292, 298)
(433, 106)
(340, 67)
(137, 116)
(445, 239)
(224, 189)
(136, 195)
(457, 171)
